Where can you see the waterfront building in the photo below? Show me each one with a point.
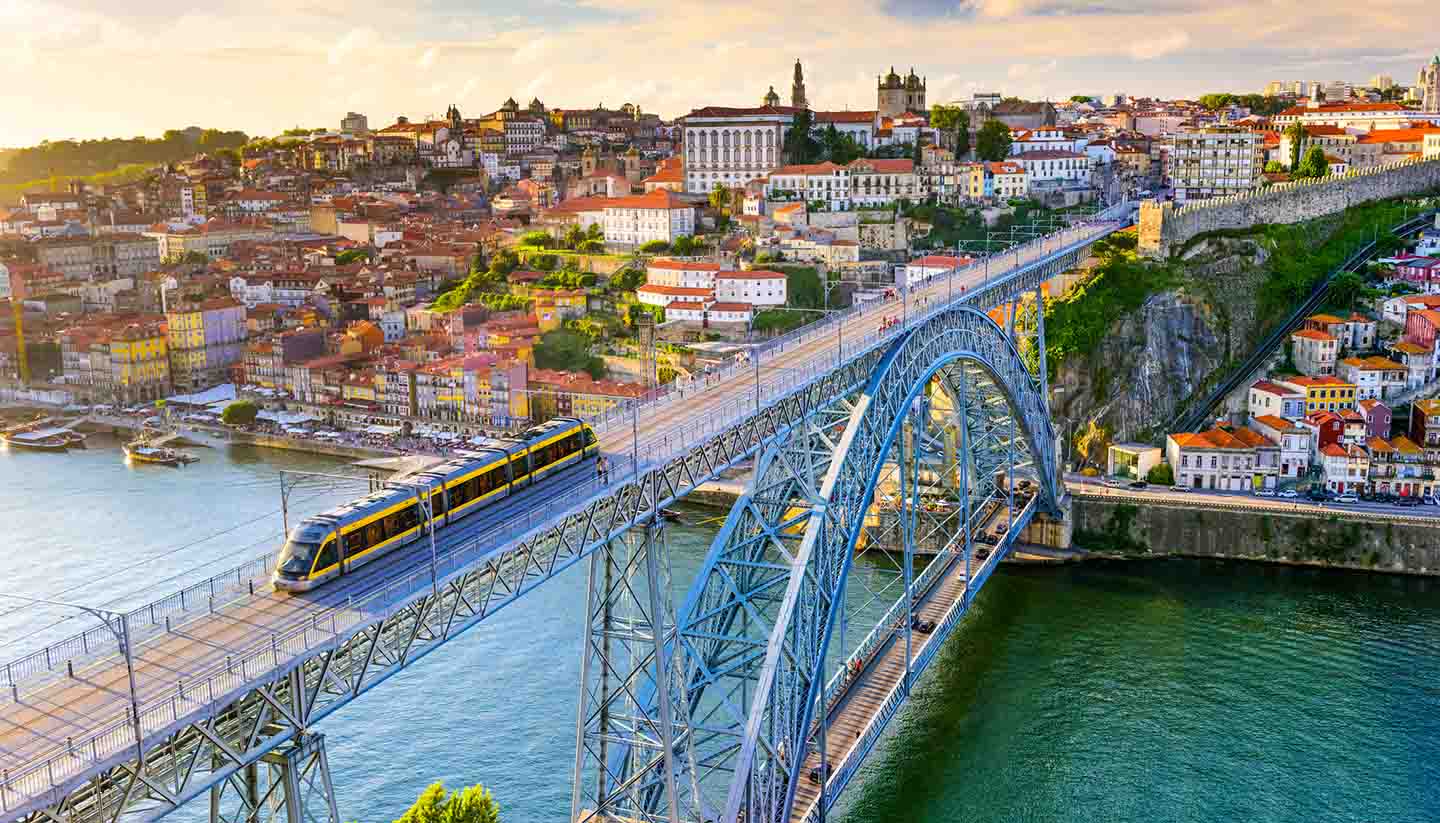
(1214, 161)
(204, 340)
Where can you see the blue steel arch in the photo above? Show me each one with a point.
(832, 483)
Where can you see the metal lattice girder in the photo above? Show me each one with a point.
(755, 627)
(626, 765)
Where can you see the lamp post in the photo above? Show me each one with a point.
(119, 625)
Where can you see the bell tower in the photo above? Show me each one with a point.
(797, 90)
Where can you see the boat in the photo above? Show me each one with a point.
(49, 439)
(140, 451)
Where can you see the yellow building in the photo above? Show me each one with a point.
(1324, 393)
(140, 363)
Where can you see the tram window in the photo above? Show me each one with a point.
(328, 555)
(589, 437)
(374, 534)
(406, 519)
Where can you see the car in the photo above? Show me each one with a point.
(1111, 482)
(1265, 493)
(1430, 500)
(1179, 488)
(820, 772)
(1288, 494)
(1407, 502)
(1139, 484)
(1348, 497)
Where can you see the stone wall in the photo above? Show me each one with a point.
(1303, 535)
(1165, 227)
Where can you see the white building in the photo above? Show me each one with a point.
(1214, 162)
(819, 182)
(923, 268)
(639, 219)
(690, 274)
(1055, 168)
(732, 146)
(759, 287)
(859, 125)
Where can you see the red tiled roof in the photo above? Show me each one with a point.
(682, 265)
(757, 274)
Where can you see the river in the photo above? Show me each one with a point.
(1171, 690)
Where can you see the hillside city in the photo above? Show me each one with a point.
(411, 284)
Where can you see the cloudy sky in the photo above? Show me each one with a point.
(92, 68)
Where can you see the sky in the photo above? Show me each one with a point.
(95, 68)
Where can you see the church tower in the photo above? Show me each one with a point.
(1430, 86)
(771, 98)
(797, 91)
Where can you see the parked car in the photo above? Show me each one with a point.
(1112, 483)
(1139, 484)
(1431, 501)
(1289, 494)
(1408, 501)
(1179, 488)
(1265, 493)
(1348, 497)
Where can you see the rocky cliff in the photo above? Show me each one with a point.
(1170, 349)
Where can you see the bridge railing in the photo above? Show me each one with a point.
(656, 447)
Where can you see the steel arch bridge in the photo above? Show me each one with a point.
(226, 701)
(730, 711)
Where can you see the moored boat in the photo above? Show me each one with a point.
(48, 439)
(141, 452)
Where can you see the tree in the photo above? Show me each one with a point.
(954, 121)
(684, 245)
(720, 197)
(1161, 475)
(472, 805)
(538, 239)
(1274, 167)
(240, 413)
(1297, 134)
(573, 237)
(1092, 441)
(1313, 164)
(345, 258)
(993, 141)
(800, 145)
(567, 351)
(627, 279)
(655, 247)
(1345, 289)
(1080, 98)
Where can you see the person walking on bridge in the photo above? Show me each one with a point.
(602, 470)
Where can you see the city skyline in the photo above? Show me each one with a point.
(263, 67)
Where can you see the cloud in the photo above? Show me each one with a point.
(354, 40)
(427, 60)
(1152, 48)
(1019, 71)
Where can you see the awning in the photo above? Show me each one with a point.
(376, 429)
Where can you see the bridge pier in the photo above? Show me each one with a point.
(1050, 532)
(291, 785)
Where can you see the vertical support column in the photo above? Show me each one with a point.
(965, 448)
(909, 509)
(1042, 377)
(630, 723)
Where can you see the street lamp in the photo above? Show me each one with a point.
(119, 625)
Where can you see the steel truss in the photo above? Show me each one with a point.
(755, 628)
(204, 731)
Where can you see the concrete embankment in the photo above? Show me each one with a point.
(1336, 538)
(220, 436)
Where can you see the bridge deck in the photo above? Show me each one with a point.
(70, 725)
(864, 697)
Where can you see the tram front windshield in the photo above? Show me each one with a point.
(299, 552)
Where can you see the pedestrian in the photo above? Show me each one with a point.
(602, 469)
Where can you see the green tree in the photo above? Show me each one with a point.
(589, 246)
(627, 279)
(1297, 134)
(684, 245)
(573, 237)
(240, 413)
(1092, 441)
(537, 239)
(802, 286)
(655, 247)
(1313, 164)
(993, 141)
(720, 197)
(434, 805)
(800, 144)
(1345, 290)
(1161, 475)
(1080, 98)
(1274, 167)
(567, 351)
(954, 121)
(345, 258)
(594, 232)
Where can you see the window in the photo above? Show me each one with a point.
(328, 555)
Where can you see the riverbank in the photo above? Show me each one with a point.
(1395, 545)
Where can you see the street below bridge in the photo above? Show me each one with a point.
(64, 727)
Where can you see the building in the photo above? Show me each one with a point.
(1424, 423)
(1323, 393)
(824, 183)
(690, 274)
(896, 95)
(732, 146)
(102, 257)
(1214, 161)
(1276, 400)
(757, 287)
(931, 265)
(1375, 378)
(1220, 459)
(1346, 467)
(1053, 169)
(1428, 82)
(354, 123)
(642, 218)
(1314, 352)
(1377, 417)
(875, 182)
(1133, 460)
(1293, 440)
(797, 89)
(1359, 116)
(204, 340)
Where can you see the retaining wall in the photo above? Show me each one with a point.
(1165, 227)
(1305, 535)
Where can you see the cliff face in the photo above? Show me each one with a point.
(1180, 340)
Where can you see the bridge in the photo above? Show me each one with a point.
(743, 702)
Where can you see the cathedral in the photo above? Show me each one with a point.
(1429, 83)
(895, 95)
(798, 99)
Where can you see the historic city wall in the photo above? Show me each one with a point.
(1165, 227)
(1303, 534)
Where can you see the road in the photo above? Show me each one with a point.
(54, 715)
(1164, 494)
